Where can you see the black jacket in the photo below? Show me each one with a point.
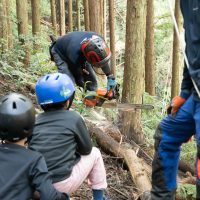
(191, 14)
(23, 171)
(68, 48)
(61, 136)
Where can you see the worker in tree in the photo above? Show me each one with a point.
(22, 171)
(77, 54)
(62, 137)
(183, 119)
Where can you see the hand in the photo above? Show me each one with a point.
(111, 82)
(175, 104)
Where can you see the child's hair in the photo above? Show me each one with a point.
(54, 90)
(17, 117)
(53, 106)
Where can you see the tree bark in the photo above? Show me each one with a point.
(70, 14)
(104, 19)
(95, 15)
(149, 57)
(53, 17)
(78, 15)
(176, 54)
(62, 17)
(35, 16)
(112, 35)
(133, 80)
(86, 15)
(3, 26)
(22, 17)
(96, 22)
(109, 145)
(9, 24)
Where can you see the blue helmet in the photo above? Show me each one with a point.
(54, 88)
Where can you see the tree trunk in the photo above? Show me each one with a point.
(62, 17)
(109, 145)
(104, 19)
(86, 15)
(149, 57)
(9, 24)
(22, 17)
(3, 26)
(70, 16)
(96, 22)
(35, 16)
(53, 16)
(133, 81)
(95, 17)
(112, 35)
(78, 15)
(176, 54)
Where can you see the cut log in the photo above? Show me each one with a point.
(109, 145)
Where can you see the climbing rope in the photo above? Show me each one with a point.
(181, 44)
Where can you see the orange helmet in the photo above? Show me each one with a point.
(96, 51)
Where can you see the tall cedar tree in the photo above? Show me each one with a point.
(149, 54)
(176, 61)
(22, 17)
(70, 16)
(53, 17)
(95, 16)
(9, 23)
(112, 35)
(35, 4)
(133, 81)
(86, 15)
(3, 26)
(78, 15)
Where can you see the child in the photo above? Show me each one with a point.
(62, 137)
(22, 171)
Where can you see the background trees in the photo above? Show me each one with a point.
(145, 52)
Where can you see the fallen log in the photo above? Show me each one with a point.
(109, 145)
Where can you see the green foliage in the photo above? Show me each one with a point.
(187, 191)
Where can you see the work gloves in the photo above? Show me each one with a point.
(175, 104)
(111, 82)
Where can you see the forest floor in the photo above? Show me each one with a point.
(120, 184)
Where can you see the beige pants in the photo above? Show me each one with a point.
(90, 167)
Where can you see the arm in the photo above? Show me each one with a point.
(84, 144)
(42, 183)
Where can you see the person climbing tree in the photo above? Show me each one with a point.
(77, 53)
(183, 119)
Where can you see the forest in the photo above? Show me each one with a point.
(147, 61)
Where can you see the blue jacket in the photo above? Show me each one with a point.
(191, 14)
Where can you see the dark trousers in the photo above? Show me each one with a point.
(169, 136)
(83, 76)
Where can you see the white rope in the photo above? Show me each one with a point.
(181, 44)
